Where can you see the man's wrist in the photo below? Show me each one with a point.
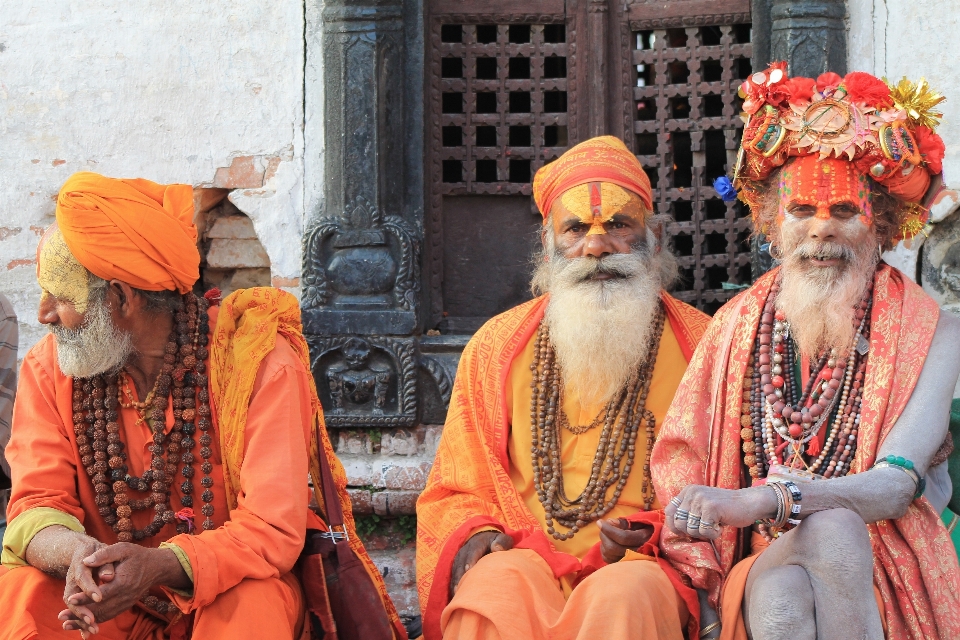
(765, 502)
(171, 573)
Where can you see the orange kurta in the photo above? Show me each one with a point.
(915, 564)
(470, 485)
(260, 525)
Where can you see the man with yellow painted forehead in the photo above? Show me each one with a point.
(539, 519)
(160, 442)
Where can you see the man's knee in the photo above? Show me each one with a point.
(836, 541)
(769, 614)
(506, 568)
(628, 583)
(252, 606)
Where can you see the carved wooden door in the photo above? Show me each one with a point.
(511, 84)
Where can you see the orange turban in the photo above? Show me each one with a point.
(136, 231)
(603, 159)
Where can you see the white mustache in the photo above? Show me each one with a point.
(824, 251)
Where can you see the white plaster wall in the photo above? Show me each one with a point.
(169, 91)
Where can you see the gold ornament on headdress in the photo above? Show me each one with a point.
(918, 100)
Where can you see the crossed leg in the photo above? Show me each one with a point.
(815, 582)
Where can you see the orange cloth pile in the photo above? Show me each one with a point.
(470, 486)
(602, 159)
(915, 564)
(136, 231)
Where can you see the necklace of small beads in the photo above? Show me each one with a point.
(616, 450)
(778, 420)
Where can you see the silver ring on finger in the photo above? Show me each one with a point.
(693, 522)
(704, 524)
(676, 501)
(682, 514)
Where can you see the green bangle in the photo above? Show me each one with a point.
(907, 467)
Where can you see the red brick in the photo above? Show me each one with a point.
(244, 172)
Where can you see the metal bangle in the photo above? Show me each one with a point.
(707, 630)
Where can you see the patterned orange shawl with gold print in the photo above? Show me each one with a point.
(248, 324)
(915, 565)
(469, 485)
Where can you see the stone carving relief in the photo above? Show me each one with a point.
(940, 263)
(368, 381)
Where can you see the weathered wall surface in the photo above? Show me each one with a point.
(208, 94)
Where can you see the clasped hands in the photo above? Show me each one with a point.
(103, 581)
(699, 511)
(616, 537)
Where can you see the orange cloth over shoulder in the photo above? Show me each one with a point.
(136, 230)
(602, 159)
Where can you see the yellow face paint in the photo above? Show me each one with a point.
(596, 203)
(60, 275)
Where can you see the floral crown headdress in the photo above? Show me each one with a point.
(886, 130)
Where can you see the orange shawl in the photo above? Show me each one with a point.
(469, 485)
(915, 565)
(247, 328)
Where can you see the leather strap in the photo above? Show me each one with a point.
(331, 500)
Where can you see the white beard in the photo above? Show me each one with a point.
(96, 347)
(818, 302)
(600, 329)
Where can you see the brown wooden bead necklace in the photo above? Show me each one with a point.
(779, 420)
(101, 448)
(616, 450)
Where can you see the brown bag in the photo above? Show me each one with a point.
(339, 593)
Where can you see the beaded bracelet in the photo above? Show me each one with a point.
(795, 498)
(899, 462)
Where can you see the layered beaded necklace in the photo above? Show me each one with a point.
(615, 454)
(102, 451)
(780, 421)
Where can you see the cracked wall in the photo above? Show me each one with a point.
(199, 93)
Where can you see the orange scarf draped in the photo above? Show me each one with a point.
(469, 485)
(248, 324)
(915, 564)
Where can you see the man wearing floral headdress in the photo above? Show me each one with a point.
(160, 443)
(539, 520)
(815, 410)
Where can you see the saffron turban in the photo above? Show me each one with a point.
(603, 159)
(136, 231)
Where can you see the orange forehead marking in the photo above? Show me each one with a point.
(595, 204)
(823, 183)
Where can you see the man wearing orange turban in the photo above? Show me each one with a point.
(160, 442)
(539, 519)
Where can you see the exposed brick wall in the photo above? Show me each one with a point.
(386, 471)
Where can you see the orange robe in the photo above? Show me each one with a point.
(915, 564)
(241, 569)
(474, 484)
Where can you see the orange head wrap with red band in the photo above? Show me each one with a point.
(136, 231)
(603, 159)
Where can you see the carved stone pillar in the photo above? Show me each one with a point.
(361, 288)
(810, 35)
(597, 67)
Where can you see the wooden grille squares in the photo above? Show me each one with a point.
(502, 105)
(687, 128)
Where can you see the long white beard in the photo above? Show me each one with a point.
(600, 329)
(818, 302)
(96, 347)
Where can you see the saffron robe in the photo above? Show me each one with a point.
(258, 360)
(470, 486)
(915, 564)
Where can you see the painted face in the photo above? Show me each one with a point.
(598, 203)
(60, 274)
(824, 188)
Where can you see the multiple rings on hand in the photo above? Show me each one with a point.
(682, 514)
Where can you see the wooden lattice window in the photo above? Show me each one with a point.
(687, 127)
(502, 103)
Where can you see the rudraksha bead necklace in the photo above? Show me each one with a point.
(780, 423)
(616, 450)
(96, 424)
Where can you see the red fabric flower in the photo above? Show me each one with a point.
(758, 89)
(800, 89)
(864, 88)
(828, 81)
(931, 148)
